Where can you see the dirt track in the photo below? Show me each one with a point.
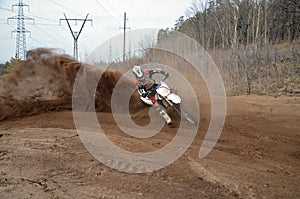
(257, 156)
(41, 155)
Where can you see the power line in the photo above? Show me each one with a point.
(66, 8)
(44, 18)
(108, 12)
(45, 24)
(29, 14)
(37, 41)
(49, 35)
(113, 8)
(5, 38)
(7, 9)
(3, 21)
(49, 26)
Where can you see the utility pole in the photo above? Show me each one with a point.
(110, 53)
(75, 34)
(124, 40)
(21, 31)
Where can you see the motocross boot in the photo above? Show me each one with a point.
(165, 116)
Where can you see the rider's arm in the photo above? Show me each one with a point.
(158, 70)
(140, 88)
(138, 84)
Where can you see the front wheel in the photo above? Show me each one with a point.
(184, 115)
(170, 105)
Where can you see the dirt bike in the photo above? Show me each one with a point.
(168, 99)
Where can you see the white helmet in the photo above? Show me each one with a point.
(138, 72)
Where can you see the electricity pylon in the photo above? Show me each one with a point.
(75, 34)
(21, 31)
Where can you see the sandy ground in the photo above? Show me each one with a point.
(42, 156)
(257, 156)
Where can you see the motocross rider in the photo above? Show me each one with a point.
(146, 86)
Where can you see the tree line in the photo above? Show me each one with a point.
(239, 23)
(255, 43)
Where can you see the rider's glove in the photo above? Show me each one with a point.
(166, 76)
(140, 86)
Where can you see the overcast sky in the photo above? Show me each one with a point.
(107, 16)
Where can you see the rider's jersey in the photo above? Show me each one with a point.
(146, 85)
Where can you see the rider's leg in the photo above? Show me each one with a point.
(165, 115)
(161, 110)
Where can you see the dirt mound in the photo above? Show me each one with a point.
(44, 82)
